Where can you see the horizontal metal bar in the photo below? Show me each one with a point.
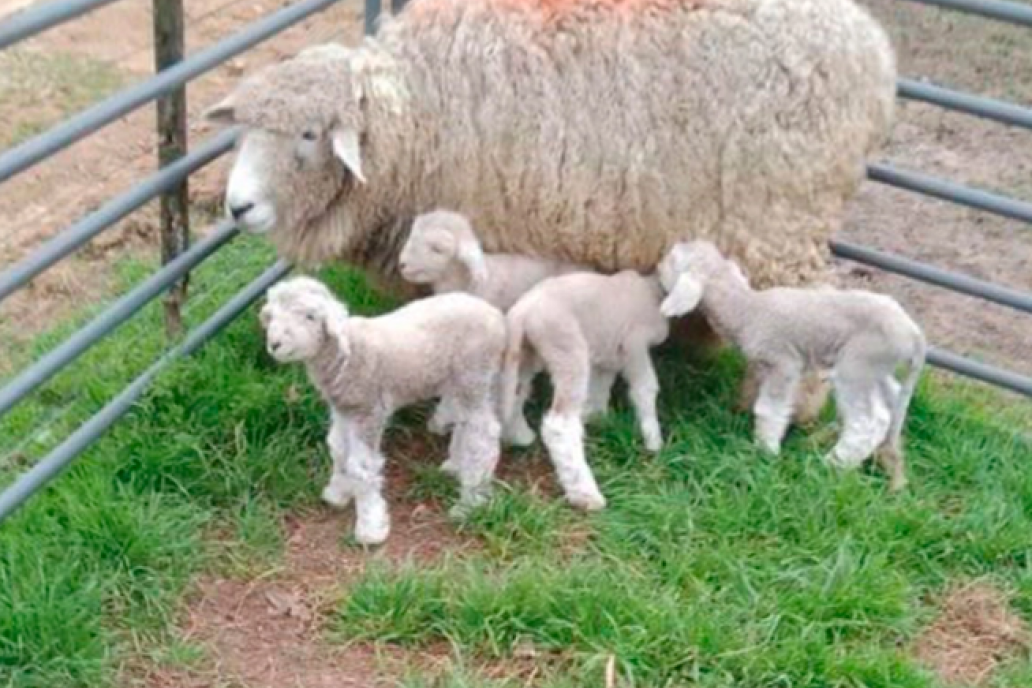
(950, 191)
(996, 110)
(60, 457)
(933, 275)
(34, 150)
(373, 8)
(116, 314)
(41, 17)
(16, 276)
(1013, 12)
(980, 371)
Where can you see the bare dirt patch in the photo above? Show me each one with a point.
(974, 633)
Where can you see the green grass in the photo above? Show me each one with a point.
(711, 566)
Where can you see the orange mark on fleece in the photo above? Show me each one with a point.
(557, 10)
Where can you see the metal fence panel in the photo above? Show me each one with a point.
(31, 152)
(1013, 12)
(57, 460)
(116, 314)
(114, 210)
(33, 20)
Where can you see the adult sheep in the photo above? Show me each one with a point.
(587, 131)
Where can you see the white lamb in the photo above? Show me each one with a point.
(367, 368)
(585, 329)
(861, 337)
(443, 251)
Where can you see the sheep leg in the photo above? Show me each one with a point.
(364, 472)
(517, 431)
(749, 389)
(338, 492)
(643, 387)
(773, 407)
(567, 359)
(475, 448)
(443, 417)
(890, 454)
(865, 419)
(811, 398)
(600, 388)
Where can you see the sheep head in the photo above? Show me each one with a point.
(684, 272)
(299, 316)
(437, 241)
(300, 148)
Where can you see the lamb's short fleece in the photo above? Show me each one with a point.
(367, 368)
(585, 329)
(861, 337)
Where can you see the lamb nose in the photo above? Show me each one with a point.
(238, 211)
(274, 346)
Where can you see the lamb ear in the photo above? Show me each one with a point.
(347, 149)
(472, 256)
(684, 297)
(335, 323)
(222, 112)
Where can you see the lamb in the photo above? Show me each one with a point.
(583, 131)
(585, 329)
(367, 368)
(444, 252)
(861, 337)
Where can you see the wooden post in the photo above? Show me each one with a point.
(172, 144)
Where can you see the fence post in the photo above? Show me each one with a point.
(172, 144)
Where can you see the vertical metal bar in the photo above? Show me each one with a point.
(172, 145)
(372, 14)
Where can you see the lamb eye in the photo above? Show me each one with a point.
(309, 316)
(309, 136)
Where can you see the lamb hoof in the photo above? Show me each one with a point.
(847, 463)
(587, 501)
(898, 484)
(450, 466)
(653, 439)
(520, 437)
(438, 427)
(767, 447)
(335, 495)
(372, 534)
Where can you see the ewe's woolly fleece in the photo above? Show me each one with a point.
(595, 131)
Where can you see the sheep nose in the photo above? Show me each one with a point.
(238, 211)
(274, 346)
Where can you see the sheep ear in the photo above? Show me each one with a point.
(472, 256)
(684, 297)
(335, 319)
(222, 112)
(346, 148)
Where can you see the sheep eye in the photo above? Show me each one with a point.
(309, 136)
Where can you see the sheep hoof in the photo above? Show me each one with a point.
(520, 437)
(371, 534)
(336, 496)
(587, 501)
(653, 439)
(435, 426)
